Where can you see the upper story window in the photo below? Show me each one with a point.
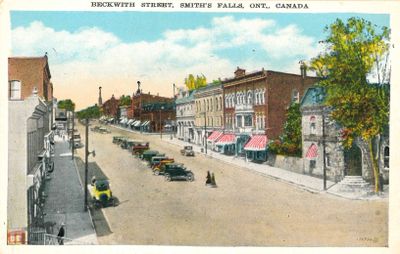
(249, 98)
(386, 157)
(295, 96)
(312, 126)
(15, 90)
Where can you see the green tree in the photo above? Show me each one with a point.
(67, 104)
(125, 100)
(354, 51)
(89, 112)
(193, 83)
(289, 142)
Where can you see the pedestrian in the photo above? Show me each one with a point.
(381, 182)
(208, 178)
(213, 183)
(61, 234)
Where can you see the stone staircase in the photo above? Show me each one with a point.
(354, 184)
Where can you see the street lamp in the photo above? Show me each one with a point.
(205, 130)
(140, 106)
(162, 108)
(86, 161)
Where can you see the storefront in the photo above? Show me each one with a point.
(213, 138)
(226, 144)
(256, 148)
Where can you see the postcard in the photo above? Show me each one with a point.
(217, 126)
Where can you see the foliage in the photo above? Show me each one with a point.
(354, 51)
(193, 83)
(90, 112)
(290, 141)
(67, 104)
(125, 100)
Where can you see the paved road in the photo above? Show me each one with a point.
(247, 209)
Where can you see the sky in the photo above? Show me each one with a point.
(116, 49)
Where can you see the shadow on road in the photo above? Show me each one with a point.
(100, 222)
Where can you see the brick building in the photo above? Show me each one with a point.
(110, 107)
(30, 140)
(256, 104)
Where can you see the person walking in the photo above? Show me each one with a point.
(208, 178)
(61, 234)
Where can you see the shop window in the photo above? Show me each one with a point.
(248, 120)
(327, 159)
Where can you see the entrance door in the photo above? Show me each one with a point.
(353, 161)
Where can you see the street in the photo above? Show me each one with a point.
(247, 209)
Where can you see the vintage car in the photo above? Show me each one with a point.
(159, 169)
(157, 159)
(127, 144)
(147, 155)
(176, 171)
(104, 130)
(95, 129)
(101, 193)
(117, 139)
(139, 147)
(187, 151)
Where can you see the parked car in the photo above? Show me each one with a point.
(127, 144)
(104, 130)
(95, 128)
(176, 172)
(139, 147)
(101, 193)
(159, 168)
(117, 139)
(157, 159)
(147, 155)
(187, 151)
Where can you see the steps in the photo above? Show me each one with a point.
(354, 184)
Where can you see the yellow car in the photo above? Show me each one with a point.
(101, 193)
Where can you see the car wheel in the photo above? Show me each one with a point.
(190, 177)
(156, 172)
(167, 178)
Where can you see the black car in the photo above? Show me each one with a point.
(177, 172)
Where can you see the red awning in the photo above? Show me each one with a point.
(226, 139)
(312, 152)
(214, 136)
(257, 143)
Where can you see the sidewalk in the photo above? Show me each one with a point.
(65, 199)
(306, 182)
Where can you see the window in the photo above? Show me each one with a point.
(248, 120)
(295, 96)
(249, 98)
(15, 90)
(312, 165)
(312, 126)
(327, 159)
(386, 157)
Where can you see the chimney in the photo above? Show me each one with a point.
(239, 72)
(303, 69)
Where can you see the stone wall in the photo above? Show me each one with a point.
(294, 164)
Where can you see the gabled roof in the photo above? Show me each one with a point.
(314, 96)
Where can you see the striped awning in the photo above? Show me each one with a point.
(214, 136)
(226, 139)
(130, 121)
(312, 152)
(133, 123)
(257, 143)
(137, 123)
(145, 123)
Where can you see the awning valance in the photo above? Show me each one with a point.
(214, 136)
(137, 123)
(130, 121)
(226, 139)
(312, 152)
(257, 143)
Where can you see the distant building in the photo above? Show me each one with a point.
(110, 108)
(185, 115)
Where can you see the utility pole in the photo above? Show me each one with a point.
(72, 135)
(323, 149)
(86, 160)
(205, 128)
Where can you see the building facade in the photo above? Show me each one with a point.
(323, 149)
(110, 107)
(208, 107)
(185, 115)
(256, 104)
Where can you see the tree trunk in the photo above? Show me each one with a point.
(374, 163)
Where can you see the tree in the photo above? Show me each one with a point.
(125, 100)
(67, 104)
(289, 142)
(193, 83)
(354, 51)
(90, 112)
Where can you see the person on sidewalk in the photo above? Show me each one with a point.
(61, 234)
(208, 178)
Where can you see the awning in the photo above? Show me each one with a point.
(111, 119)
(167, 126)
(130, 121)
(257, 143)
(312, 152)
(226, 139)
(146, 123)
(137, 123)
(214, 136)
